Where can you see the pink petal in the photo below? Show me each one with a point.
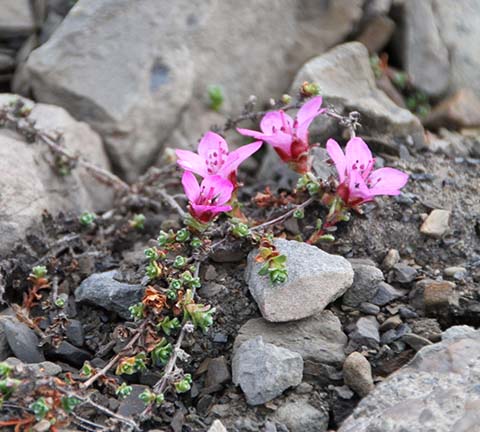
(191, 186)
(191, 161)
(358, 157)
(235, 158)
(222, 188)
(279, 140)
(387, 181)
(254, 134)
(214, 209)
(306, 114)
(357, 187)
(276, 121)
(336, 154)
(211, 141)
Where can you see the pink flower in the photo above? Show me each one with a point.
(207, 199)
(359, 183)
(213, 157)
(289, 137)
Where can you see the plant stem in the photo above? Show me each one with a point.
(117, 357)
(284, 216)
(171, 202)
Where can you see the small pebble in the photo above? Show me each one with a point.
(369, 308)
(357, 374)
(404, 274)
(455, 272)
(407, 313)
(391, 258)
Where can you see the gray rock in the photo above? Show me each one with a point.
(366, 332)
(171, 47)
(429, 328)
(300, 416)
(346, 80)
(415, 341)
(16, 18)
(218, 372)
(28, 183)
(41, 369)
(5, 350)
(365, 282)
(436, 224)
(391, 323)
(426, 56)
(217, 426)
(264, 371)
(369, 308)
(319, 339)
(456, 272)
(389, 336)
(132, 405)
(22, 340)
(436, 391)
(460, 332)
(407, 313)
(101, 289)
(403, 273)
(71, 354)
(7, 62)
(459, 28)
(357, 374)
(74, 332)
(386, 294)
(315, 279)
(391, 258)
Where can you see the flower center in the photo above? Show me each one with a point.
(215, 160)
(207, 197)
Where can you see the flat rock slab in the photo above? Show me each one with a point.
(315, 279)
(101, 289)
(264, 371)
(437, 391)
(318, 339)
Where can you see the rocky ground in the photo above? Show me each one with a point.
(372, 332)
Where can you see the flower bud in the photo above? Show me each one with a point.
(309, 89)
(286, 99)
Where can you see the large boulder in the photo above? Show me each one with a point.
(437, 391)
(347, 82)
(426, 56)
(138, 71)
(440, 44)
(29, 185)
(315, 279)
